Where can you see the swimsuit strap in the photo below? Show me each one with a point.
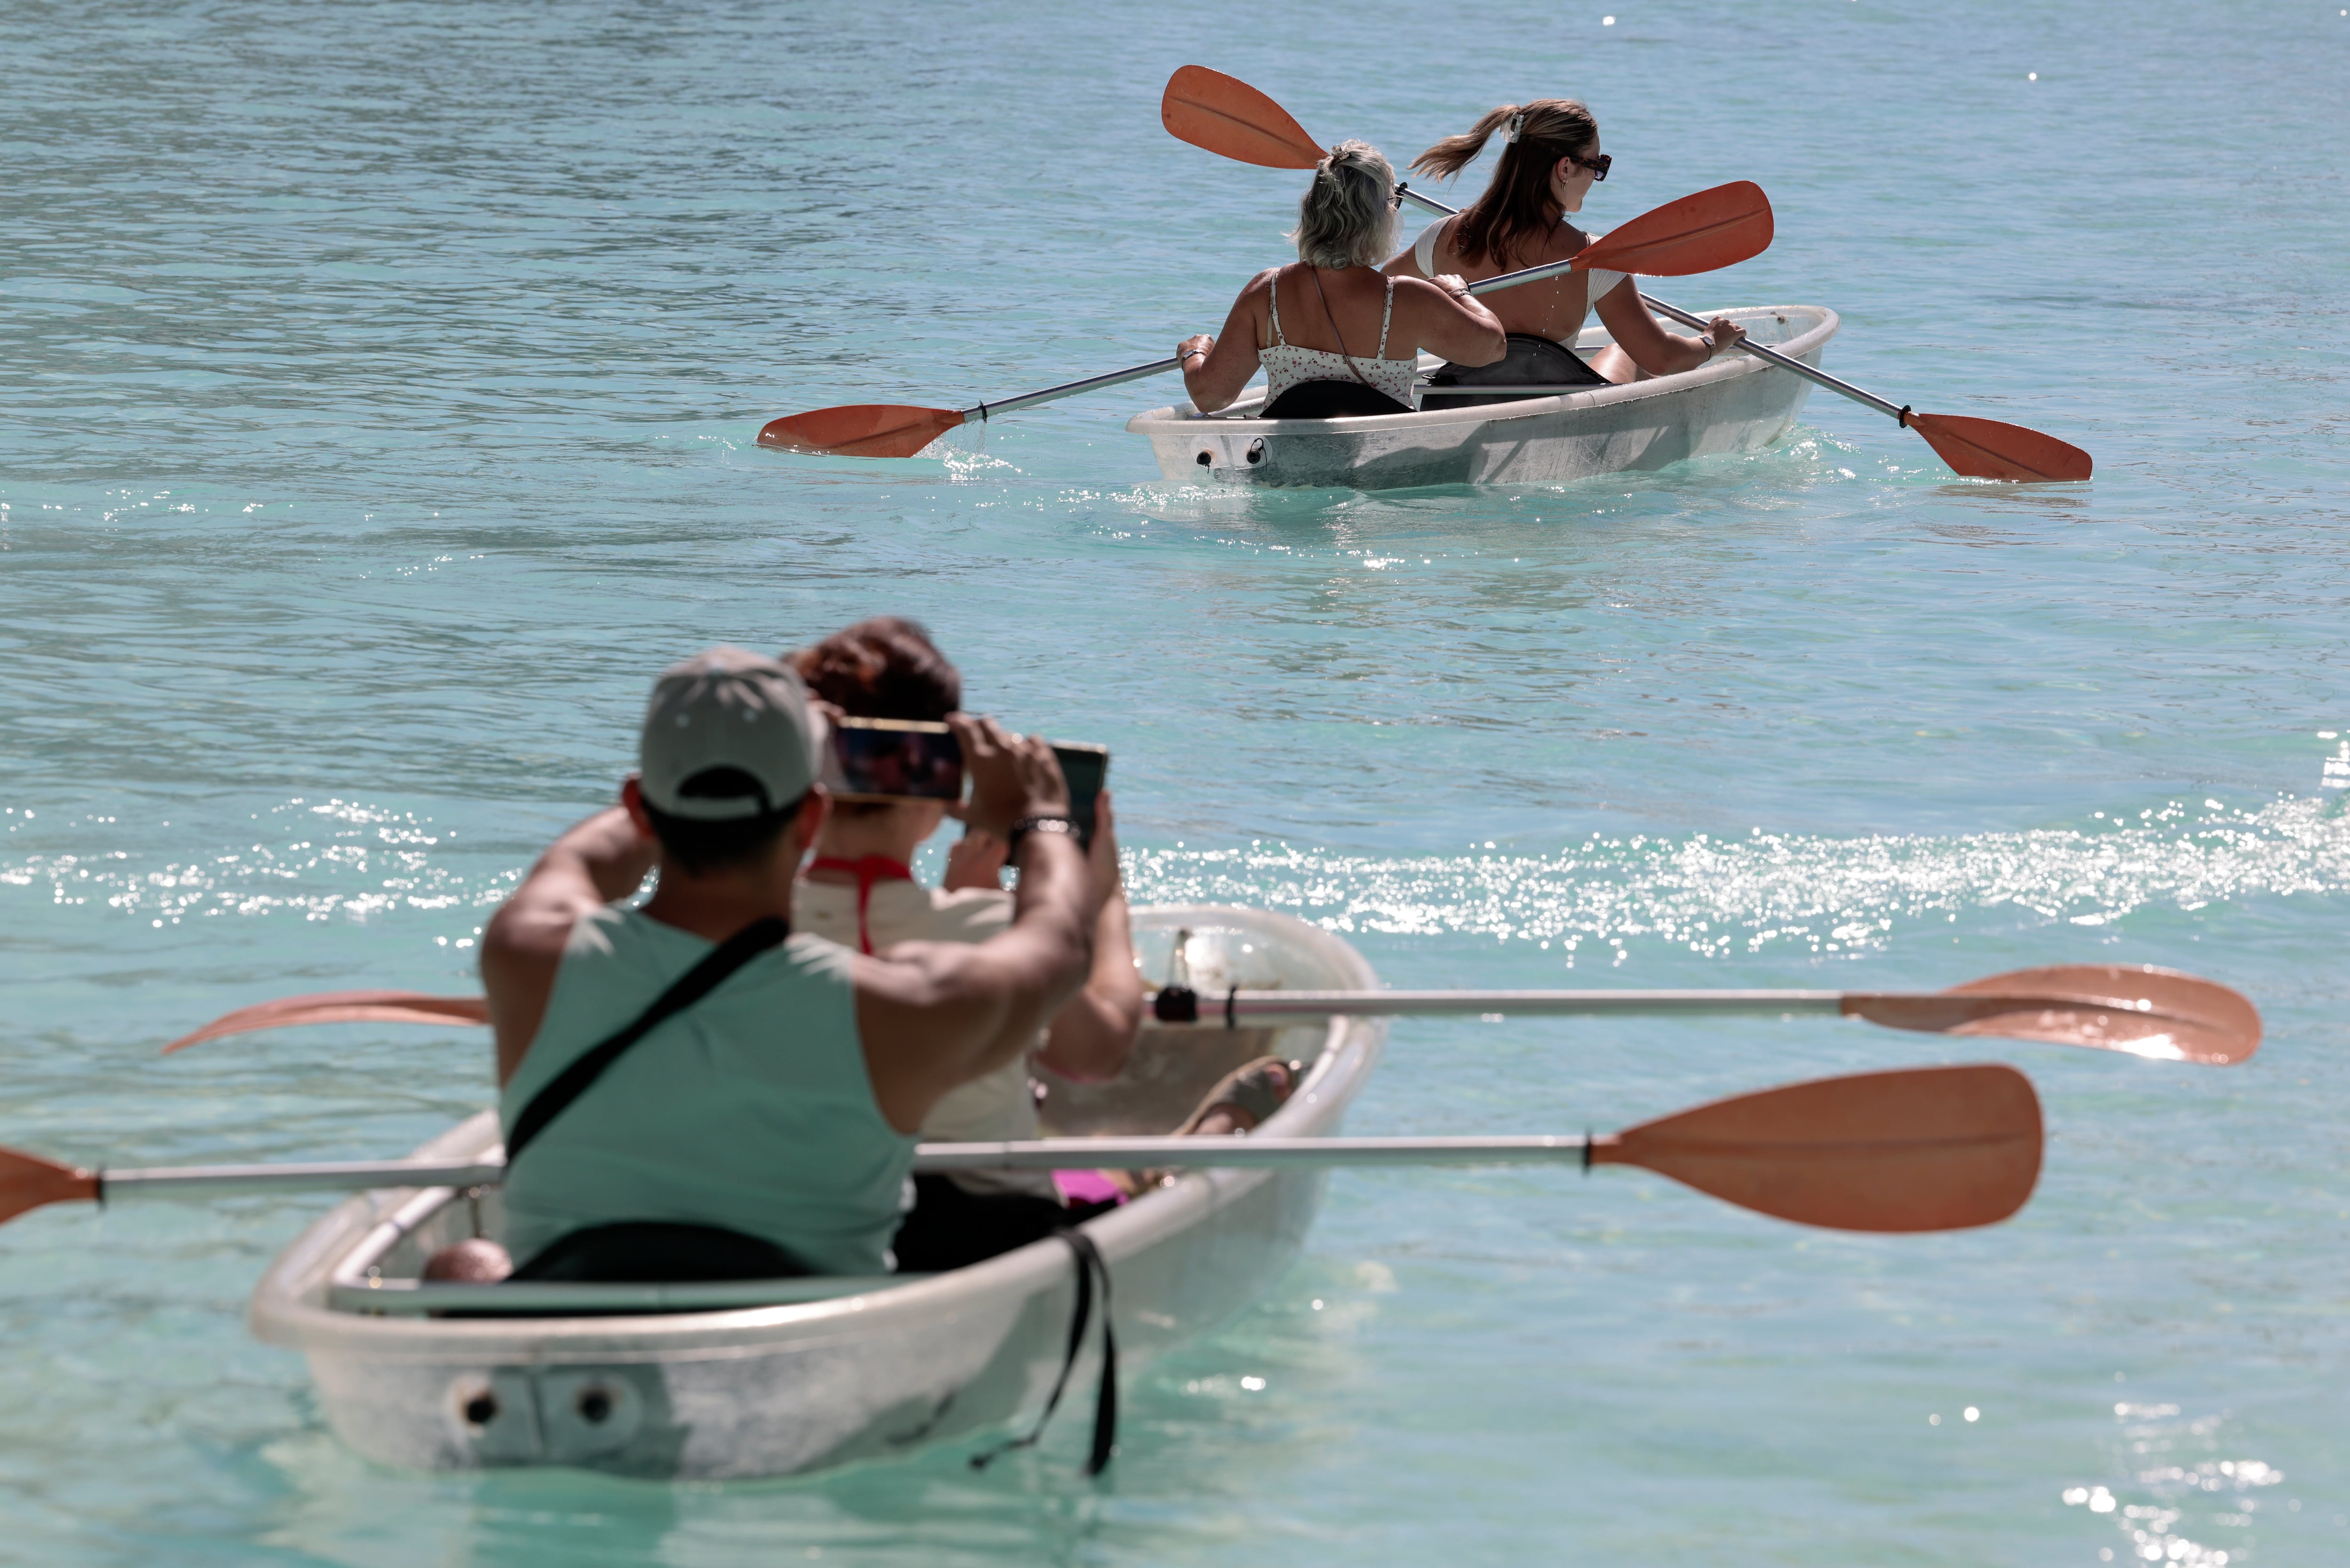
(1274, 294)
(1384, 315)
(867, 870)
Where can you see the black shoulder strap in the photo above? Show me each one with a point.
(688, 989)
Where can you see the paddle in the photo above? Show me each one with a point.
(1226, 116)
(2136, 1009)
(1924, 1149)
(898, 430)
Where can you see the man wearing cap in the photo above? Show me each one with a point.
(763, 1123)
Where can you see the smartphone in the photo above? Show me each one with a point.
(894, 759)
(1086, 768)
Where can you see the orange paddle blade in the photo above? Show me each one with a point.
(1225, 115)
(1701, 233)
(28, 1181)
(2135, 1008)
(861, 429)
(1986, 449)
(341, 1007)
(1927, 1148)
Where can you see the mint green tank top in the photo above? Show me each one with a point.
(752, 1109)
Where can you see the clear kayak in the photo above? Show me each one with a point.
(1735, 403)
(779, 1377)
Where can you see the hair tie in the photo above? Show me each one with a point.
(1517, 123)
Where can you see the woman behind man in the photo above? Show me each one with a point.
(1550, 160)
(1304, 323)
(857, 891)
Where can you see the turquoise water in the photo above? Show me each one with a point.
(380, 386)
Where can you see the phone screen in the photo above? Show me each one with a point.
(897, 759)
(1086, 768)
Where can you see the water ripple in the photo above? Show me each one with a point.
(1818, 894)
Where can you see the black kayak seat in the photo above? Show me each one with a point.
(660, 1252)
(1530, 360)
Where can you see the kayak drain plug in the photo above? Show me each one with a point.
(595, 1406)
(482, 1409)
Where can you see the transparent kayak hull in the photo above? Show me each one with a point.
(1735, 403)
(891, 1367)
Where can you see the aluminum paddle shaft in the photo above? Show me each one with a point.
(1894, 411)
(1072, 388)
(2136, 1009)
(1522, 1003)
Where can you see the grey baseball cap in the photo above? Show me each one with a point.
(728, 708)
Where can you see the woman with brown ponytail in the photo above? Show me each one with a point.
(1304, 323)
(1550, 160)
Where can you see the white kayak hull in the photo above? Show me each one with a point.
(783, 1389)
(1735, 403)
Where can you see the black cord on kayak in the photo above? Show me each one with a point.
(1105, 1442)
(1232, 1020)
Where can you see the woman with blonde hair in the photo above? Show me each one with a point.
(1550, 161)
(1303, 323)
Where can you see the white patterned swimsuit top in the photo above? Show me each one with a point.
(1286, 365)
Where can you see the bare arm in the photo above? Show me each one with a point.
(1094, 1033)
(1216, 377)
(1405, 263)
(1444, 318)
(602, 859)
(934, 1015)
(1654, 349)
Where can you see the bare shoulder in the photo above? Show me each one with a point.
(535, 925)
(1422, 294)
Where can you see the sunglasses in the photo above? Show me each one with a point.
(1598, 166)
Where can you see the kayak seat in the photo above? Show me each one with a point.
(660, 1252)
(1531, 360)
(949, 1227)
(1331, 401)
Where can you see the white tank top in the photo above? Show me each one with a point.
(1286, 365)
(998, 1107)
(752, 1109)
